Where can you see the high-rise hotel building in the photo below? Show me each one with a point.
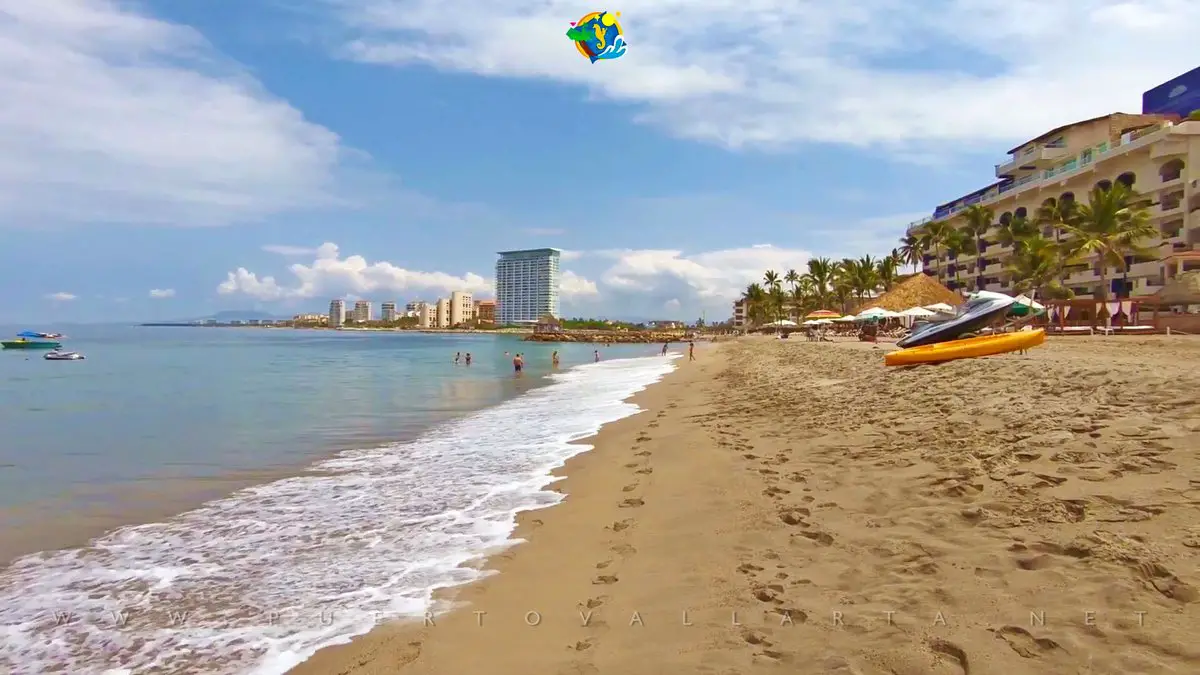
(526, 285)
(337, 313)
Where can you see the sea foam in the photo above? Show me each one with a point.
(257, 582)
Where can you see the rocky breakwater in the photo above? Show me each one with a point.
(606, 337)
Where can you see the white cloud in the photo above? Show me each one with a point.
(160, 293)
(672, 304)
(572, 287)
(330, 275)
(62, 296)
(570, 255)
(768, 72)
(714, 276)
(140, 120)
(290, 251)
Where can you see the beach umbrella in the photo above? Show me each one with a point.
(917, 311)
(1026, 301)
(810, 322)
(822, 314)
(877, 313)
(824, 322)
(845, 319)
(940, 307)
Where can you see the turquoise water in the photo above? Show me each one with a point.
(383, 467)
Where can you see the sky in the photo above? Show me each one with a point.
(174, 158)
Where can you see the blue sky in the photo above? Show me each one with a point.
(272, 154)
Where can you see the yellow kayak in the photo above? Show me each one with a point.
(988, 345)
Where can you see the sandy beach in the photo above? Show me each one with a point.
(784, 506)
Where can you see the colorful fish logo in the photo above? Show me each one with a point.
(598, 35)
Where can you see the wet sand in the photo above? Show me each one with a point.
(784, 506)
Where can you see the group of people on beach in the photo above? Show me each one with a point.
(691, 350)
(518, 360)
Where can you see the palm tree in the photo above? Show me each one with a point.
(771, 278)
(959, 242)
(887, 268)
(792, 278)
(864, 276)
(820, 274)
(934, 239)
(1037, 268)
(1110, 226)
(1014, 232)
(979, 220)
(755, 298)
(912, 250)
(1055, 215)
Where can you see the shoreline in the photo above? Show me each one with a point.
(583, 480)
(799, 505)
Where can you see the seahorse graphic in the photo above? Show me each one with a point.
(600, 43)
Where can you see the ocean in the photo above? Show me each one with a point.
(228, 501)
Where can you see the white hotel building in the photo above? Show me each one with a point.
(526, 285)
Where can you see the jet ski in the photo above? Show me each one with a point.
(970, 318)
(59, 355)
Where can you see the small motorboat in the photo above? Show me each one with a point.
(59, 355)
(971, 317)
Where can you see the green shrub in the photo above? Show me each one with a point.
(1194, 115)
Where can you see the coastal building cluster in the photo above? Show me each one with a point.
(460, 309)
(526, 290)
(1155, 153)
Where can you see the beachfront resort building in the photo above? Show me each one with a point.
(361, 312)
(485, 311)
(1156, 153)
(462, 308)
(739, 314)
(526, 285)
(427, 315)
(337, 313)
(387, 311)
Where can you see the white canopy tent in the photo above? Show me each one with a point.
(782, 323)
(846, 319)
(940, 307)
(877, 313)
(1029, 302)
(917, 312)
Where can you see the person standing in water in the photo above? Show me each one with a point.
(468, 358)
(665, 344)
(597, 356)
(691, 351)
(554, 359)
(457, 357)
(518, 364)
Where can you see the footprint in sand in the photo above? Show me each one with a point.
(769, 593)
(952, 653)
(633, 465)
(603, 564)
(756, 638)
(1166, 582)
(632, 503)
(652, 425)
(645, 471)
(749, 568)
(580, 646)
(623, 550)
(643, 453)
(604, 580)
(619, 525)
(593, 603)
(794, 516)
(642, 437)
(629, 488)
(1024, 643)
(822, 538)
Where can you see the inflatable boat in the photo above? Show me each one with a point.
(971, 317)
(965, 349)
(58, 355)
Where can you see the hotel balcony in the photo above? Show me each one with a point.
(1031, 160)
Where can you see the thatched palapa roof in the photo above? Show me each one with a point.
(918, 290)
(1182, 290)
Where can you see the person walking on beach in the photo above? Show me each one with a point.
(468, 358)
(554, 359)
(665, 348)
(691, 351)
(457, 356)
